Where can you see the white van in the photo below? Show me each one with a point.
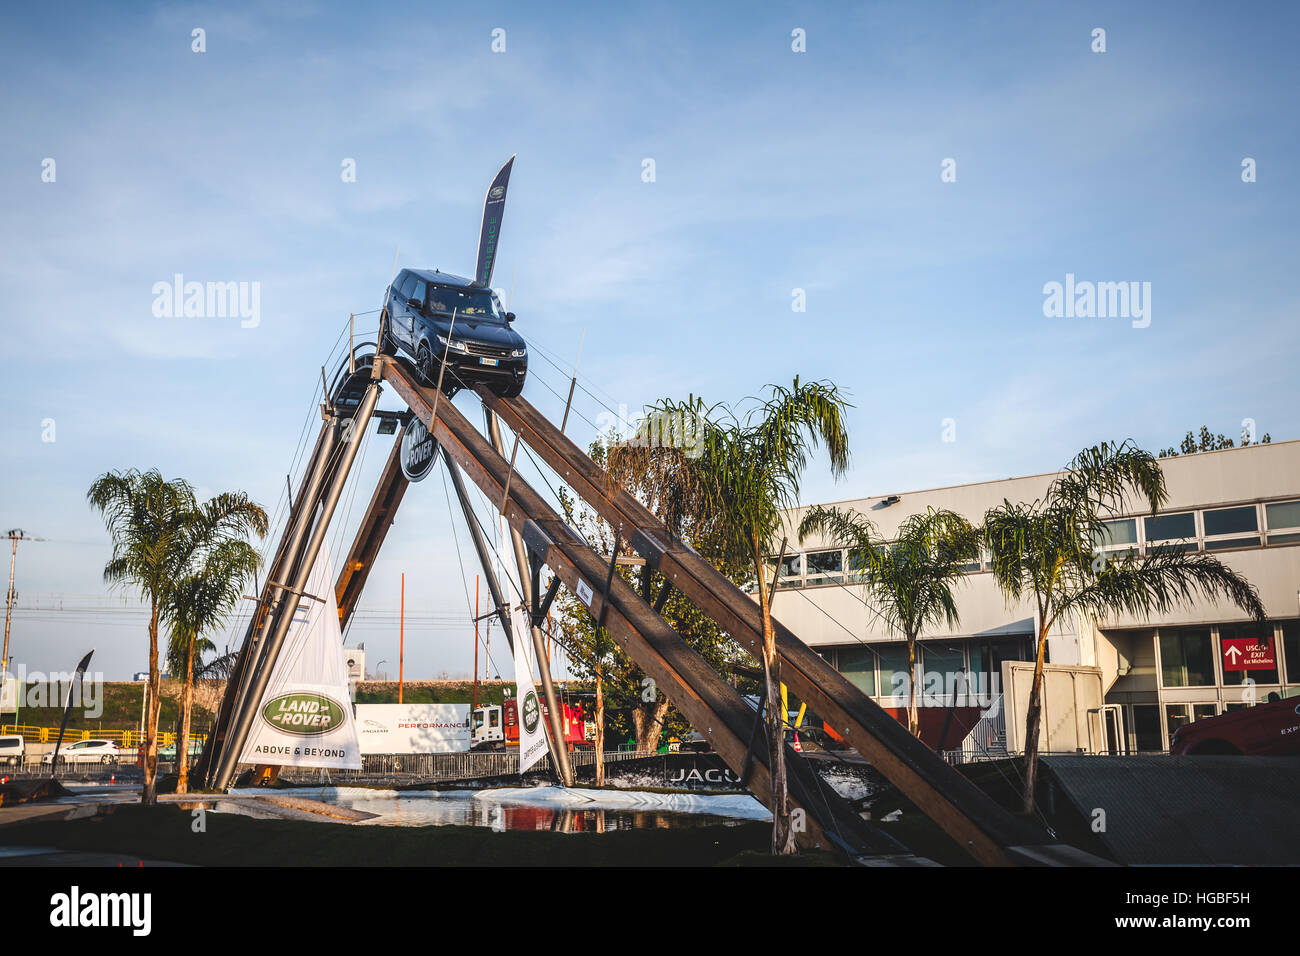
(13, 750)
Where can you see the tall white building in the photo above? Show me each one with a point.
(1118, 684)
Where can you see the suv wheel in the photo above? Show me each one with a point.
(386, 344)
(106, 759)
(424, 363)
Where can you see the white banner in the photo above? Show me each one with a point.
(413, 728)
(532, 732)
(305, 717)
(9, 694)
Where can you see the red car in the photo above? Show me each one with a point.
(1271, 729)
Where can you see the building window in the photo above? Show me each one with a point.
(893, 670)
(858, 665)
(1291, 648)
(943, 667)
(1146, 729)
(1283, 520)
(1176, 715)
(1174, 530)
(1231, 528)
(1252, 631)
(1186, 657)
(791, 568)
(855, 566)
(1118, 536)
(825, 567)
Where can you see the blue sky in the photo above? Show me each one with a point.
(775, 171)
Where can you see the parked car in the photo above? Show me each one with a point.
(1271, 728)
(13, 750)
(85, 751)
(479, 345)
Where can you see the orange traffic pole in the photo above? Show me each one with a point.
(401, 638)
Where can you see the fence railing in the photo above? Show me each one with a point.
(123, 738)
(444, 768)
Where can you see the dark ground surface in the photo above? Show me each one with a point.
(165, 833)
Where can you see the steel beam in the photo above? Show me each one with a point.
(370, 535)
(989, 833)
(707, 701)
(559, 750)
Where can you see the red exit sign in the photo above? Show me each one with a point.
(1247, 654)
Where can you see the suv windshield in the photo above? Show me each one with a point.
(467, 303)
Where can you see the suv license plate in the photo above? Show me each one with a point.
(488, 361)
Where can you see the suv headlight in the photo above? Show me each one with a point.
(454, 345)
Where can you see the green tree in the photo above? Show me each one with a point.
(908, 580)
(1047, 551)
(158, 527)
(626, 701)
(1205, 441)
(203, 595)
(742, 472)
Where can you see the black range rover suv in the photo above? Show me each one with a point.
(483, 349)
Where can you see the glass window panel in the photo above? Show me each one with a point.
(943, 667)
(893, 669)
(1176, 716)
(1231, 520)
(1186, 657)
(1230, 631)
(420, 288)
(1116, 533)
(408, 284)
(1170, 527)
(792, 567)
(1282, 514)
(858, 665)
(1221, 544)
(1146, 728)
(1202, 711)
(1291, 650)
(1284, 538)
(825, 566)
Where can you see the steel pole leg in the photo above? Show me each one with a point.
(289, 604)
(559, 752)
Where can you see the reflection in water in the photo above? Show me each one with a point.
(460, 808)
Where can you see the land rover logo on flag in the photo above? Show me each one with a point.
(497, 192)
(419, 450)
(303, 714)
(531, 713)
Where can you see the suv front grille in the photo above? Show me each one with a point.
(489, 351)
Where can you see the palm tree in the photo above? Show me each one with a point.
(147, 518)
(738, 476)
(201, 600)
(1047, 550)
(910, 579)
(157, 528)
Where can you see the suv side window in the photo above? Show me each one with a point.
(408, 285)
(419, 291)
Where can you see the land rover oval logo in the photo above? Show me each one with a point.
(497, 192)
(303, 714)
(419, 450)
(531, 712)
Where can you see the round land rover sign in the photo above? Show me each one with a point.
(303, 714)
(531, 712)
(419, 450)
